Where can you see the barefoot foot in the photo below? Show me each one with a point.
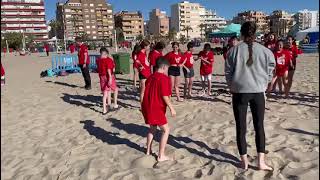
(164, 158)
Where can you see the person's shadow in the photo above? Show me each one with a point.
(108, 137)
(174, 141)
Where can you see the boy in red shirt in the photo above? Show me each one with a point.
(155, 54)
(108, 83)
(47, 48)
(154, 105)
(207, 58)
(84, 61)
(143, 66)
(283, 59)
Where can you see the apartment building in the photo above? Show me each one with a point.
(158, 23)
(186, 14)
(258, 17)
(91, 17)
(307, 19)
(211, 20)
(281, 22)
(25, 16)
(131, 24)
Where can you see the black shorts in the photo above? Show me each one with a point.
(174, 71)
(188, 75)
(141, 77)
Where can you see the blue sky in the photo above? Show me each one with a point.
(225, 8)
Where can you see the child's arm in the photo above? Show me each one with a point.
(110, 77)
(168, 103)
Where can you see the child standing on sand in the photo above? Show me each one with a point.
(207, 58)
(108, 83)
(154, 105)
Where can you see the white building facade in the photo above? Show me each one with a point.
(307, 19)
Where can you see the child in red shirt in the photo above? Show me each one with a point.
(155, 54)
(2, 76)
(294, 52)
(84, 61)
(283, 59)
(143, 66)
(175, 59)
(188, 70)
(134, 57)
(108, 82)
(154, 105)
(207, 58)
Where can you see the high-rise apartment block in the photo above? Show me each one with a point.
(91, 17)
(131, 24)
(25, 16)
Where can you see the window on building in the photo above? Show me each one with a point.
(94, 32)
(86, 15)
(67, 10)
(87, 27)
(88, 32)
(87, 21)
(99, 5)
(93, 16)
(85, 4)
(93, 21)
(91, 5)
(91, 10)
(86, 10)
(93, 26)
(94, 37)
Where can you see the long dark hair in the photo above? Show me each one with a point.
(248, 31)
(136, 49)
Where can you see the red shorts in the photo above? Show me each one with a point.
(281, 72)
(159, 122)
(104, 84)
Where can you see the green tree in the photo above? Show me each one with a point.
(55, 25)
(187, 29)
(139, 37)
(182, 39)
(172, 34)
(14, 39)
(120, 36)
(84, 36)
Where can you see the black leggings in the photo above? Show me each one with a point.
(240, 103)
(86, 75)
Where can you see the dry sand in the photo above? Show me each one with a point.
(51, 128)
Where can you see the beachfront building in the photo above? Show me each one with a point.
(25, 16)
(131, 24)
(186, 15)
(281, 22)
(258, 17)
(211, 20)
(92, 18)
(307, 19)
(158, 23)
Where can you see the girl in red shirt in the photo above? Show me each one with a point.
(155, 54)
(282, 58)
(188, 70)
(143, 66)
(175, 59)
(207, 58)
(134, 57)
(108, 83)
(294, 51)
(271, 42)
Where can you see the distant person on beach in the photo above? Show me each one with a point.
(233, 41)
(249, 69)
(283, 60)
(72, 48)
(271, 41)
(47, 48)
(155, 54)
(155, 102)
(175, 59)
(188, 70)
(294, 52)
(134, 57)
(206, 68)
(143, 66)
(2, 75)
(108, 84)
(84, 61)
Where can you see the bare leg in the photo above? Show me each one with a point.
(274, 79)
(163, 142)
(279, 82)
(172, 83)
(115, 98)
(109, 98)
(244, 161)
(209, 86)
(190, 87)
(285, 84)
(104, 101)
(135, 73)
(142, 88)
(290, 79)
(186, 83)
(150, 135)
(262, 163)
(176, 84)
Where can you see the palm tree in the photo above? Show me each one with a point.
(187, 29)
(55, 25)
(202, 27)
(172, 34)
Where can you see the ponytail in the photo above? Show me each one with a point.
(248, 31)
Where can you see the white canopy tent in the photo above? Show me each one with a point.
(313, 33)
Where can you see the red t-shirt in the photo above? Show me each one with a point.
(2, 71)
(205, 68)
(271, 45)
(81, 54)
(153, 56)
(72, 48)
(103, 65)
(188, 58)
(174, 59)
(154, 107)
(294, 51)
(282, 62)
(46, 47)
(142, 58)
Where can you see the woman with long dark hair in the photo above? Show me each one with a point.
(249, 69)
(134, 57)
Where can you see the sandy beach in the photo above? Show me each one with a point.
(52, 128)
